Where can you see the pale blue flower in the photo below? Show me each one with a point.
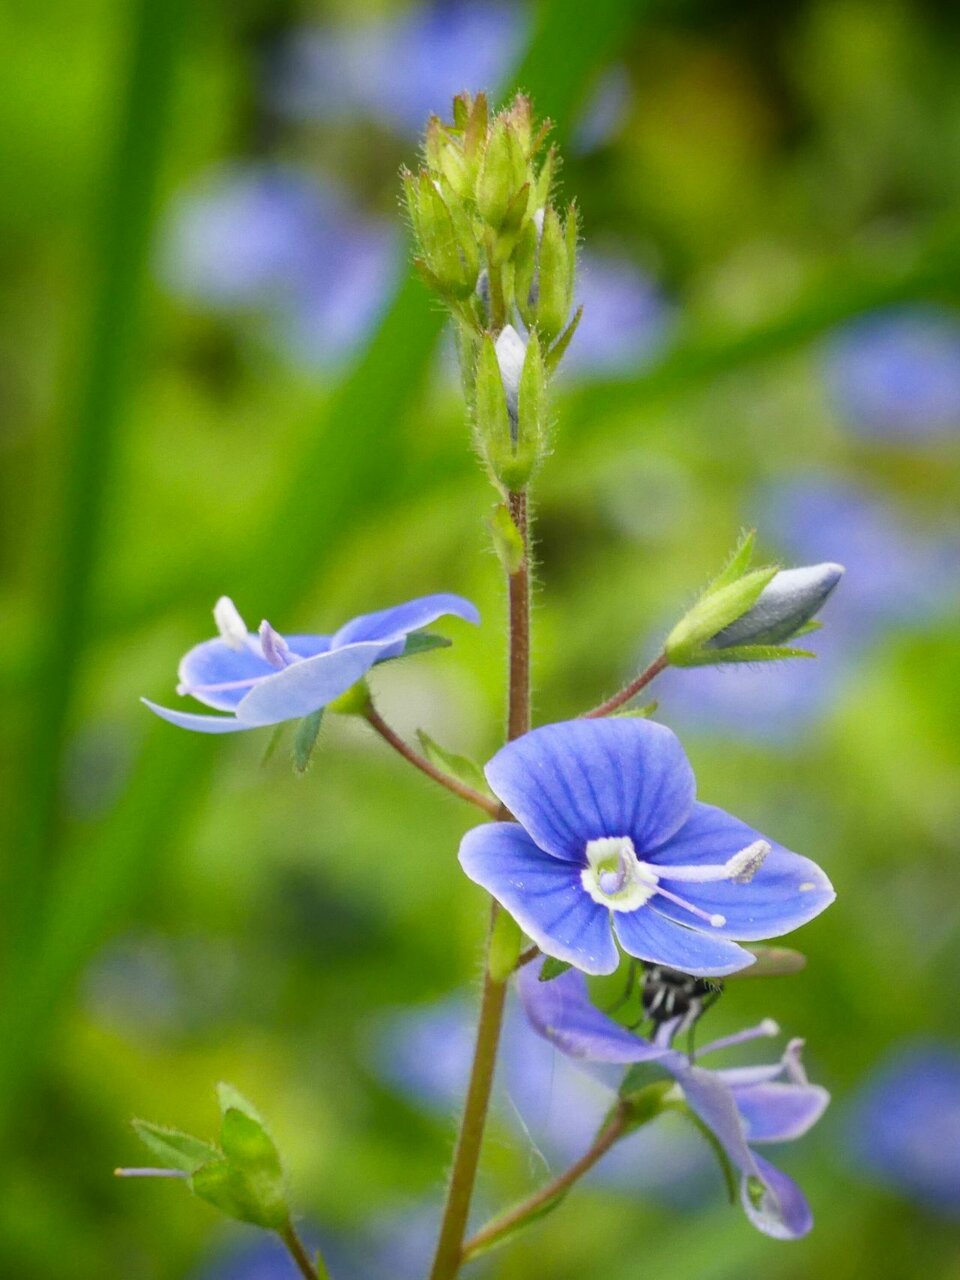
(264, 678)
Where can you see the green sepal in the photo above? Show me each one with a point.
(558, 350)
(644, 712)
(553, 300)
(641, 1077)
(507, 539)
(813, 625)
(423, 642)
(231, 1099)
(741, 653)
(173, 1148)
(552, 968)
(237, 1195)
(716, 609)
(504, 951)
(503, 171)
(272, 744)
(460, 767)
(531, 406)
(524, 272)
(305, 739)
(645, 1102)
(739, 561)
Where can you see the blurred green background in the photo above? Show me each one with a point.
(215, 378)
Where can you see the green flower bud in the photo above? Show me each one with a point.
(788, 602)
(508, 406)
(503, 172)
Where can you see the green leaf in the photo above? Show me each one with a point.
(173, 1148)
(305, 739)
(507, 539)
(643, 712)
(460, 767)
(552, 968)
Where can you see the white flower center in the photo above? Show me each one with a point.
(615, 877)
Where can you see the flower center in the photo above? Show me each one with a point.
(615, 877)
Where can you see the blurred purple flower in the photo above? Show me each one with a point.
(895, 374)
(604, 110)
(425, 1054)
(626, 320)
(270, 238)
(398, 70)
(905, 1125)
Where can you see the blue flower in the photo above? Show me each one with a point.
(266, 678)
(608, 833)
(906, 1125)
(895, 374)
(742, 1106)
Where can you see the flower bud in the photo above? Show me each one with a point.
(786, 604)
(509, 406)
(503, 172)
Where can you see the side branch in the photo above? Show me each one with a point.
(631, 690)
(612, 1131)
(376, 722)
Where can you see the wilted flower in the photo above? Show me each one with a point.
(741, 1106)
(608, 833)
(906, 1125)
(266, 678)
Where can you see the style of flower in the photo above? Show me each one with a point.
(608, 833)
(741, 1106)
(265, 678)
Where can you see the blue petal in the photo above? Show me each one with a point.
(649, 936)
(215, 662)
(190, 720)
(395, 623)
(308, 685)
(780, 1112)
(783, 1212)
(542, 894)
(561, 1011)
(577, 781)
(709, 1098)
(308, 646)
(786, 892)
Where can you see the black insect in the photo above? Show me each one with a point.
(668, 994)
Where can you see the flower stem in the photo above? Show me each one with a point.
(612, 1131)
(449, 1255)
(376, 722)
(633, 688)
(300, 1256)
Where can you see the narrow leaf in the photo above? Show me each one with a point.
(741, 653)
(643, 712)
(552, 968)
(423, 642)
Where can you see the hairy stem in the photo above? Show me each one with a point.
(376, 722)
(631, 690)
(300, 1256)
(449, 1254)
(612, 1131)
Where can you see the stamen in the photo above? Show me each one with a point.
(741, 868)
(714, 918)
(762, 1030)
(232, 628)
(792, 1065)
(275, 648)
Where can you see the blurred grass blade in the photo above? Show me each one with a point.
(88, 443)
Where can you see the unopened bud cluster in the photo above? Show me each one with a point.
(503, 260)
